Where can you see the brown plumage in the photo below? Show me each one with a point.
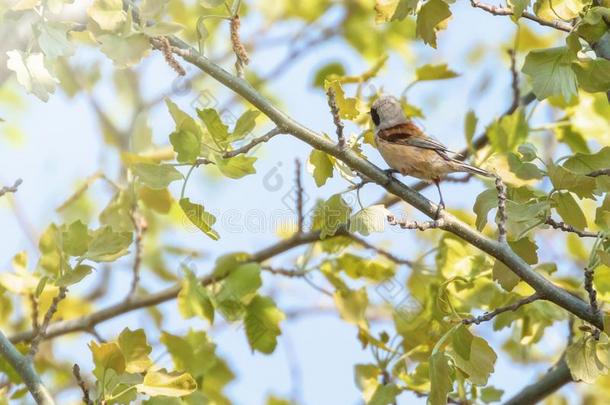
(408, 150)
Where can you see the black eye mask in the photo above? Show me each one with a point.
(375, 116)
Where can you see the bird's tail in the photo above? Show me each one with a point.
(465, 167)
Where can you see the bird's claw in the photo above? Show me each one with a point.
(390, 173)
(440, 207)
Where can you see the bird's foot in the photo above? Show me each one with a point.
(390, 173)
(439, 209)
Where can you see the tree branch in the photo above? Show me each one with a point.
(246, 148)
(88, 322)
(554, 379)
(569, 228)
(600, 172)
(500, 251)
(488, 316)
(334, 110)
(24, 367)
(11, 189)
(503, 11)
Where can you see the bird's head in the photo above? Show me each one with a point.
(387, 112)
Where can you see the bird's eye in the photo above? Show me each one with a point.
(375, 116)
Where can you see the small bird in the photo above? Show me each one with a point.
(410, 152)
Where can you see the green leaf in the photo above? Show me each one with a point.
(162, 28)
(321, 166)
(485, 202)
(136, 350)
(370, 219)
(441, 383)
(156, 176)
(170, 384)
(491, 394)
(193, 353)
(434, 72)
(480, 365)
(244, 125)
(50, 250)
(593, 75)
(107, 356)
(569, 210)
(229, 262)
(583, 163)
(53, 39)
(470, 126)
(508, 132)
(348, 106)
(523, 170)
(331, 214)
(125, 51)
(528, 152)
(583, 361)
(236, 167)
(75, 239)
(462, 342)
(152, 9)
(199, 217)
(518, 7)
(108, 14)
(186, 144)
(504, 276)
(564, 179)
(107, 245)
(215, 126)
(74, 276)
(372, 269)
(551, 73)
(117, 213)
(31, 73)
(262, 324)
(431, 14)
(238, 288)
(210, 3)
(602, 214)
(157, 200)
(385, 394)
(328, 72)
(352, 305)
(523, 217)
(193, 298)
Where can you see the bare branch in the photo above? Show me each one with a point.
(515, 78)
(246, 148)
(569, 228)
(600, 172)
(501, 219)
(41, 332)
(88, 322)
(589, 274)
(334, 110)
(11, 189)
(380, 251)
(34, 304)
(504, 11)
(81, 383)
(488, 316)
(140, 226)
(299, 190)
(552, 380)
(422, 226)
(24, 367)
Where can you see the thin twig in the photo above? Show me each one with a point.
(39, 337)
(589, 274)
(600, 172)
(11, 189)
(299, 190)
(488, 316)
(503, 11)
(334, 110)
(140, 226)
(246, 148)
(569, 228)
(380, 251)
(515, 78)
(285, 272)
(81, 383)
(242, 58)
(422, 226)
(501, 217)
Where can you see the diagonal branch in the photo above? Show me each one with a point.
(88, 322)
(503, 11)
(569, 228)
(24, 367)
(452, 224)
(488, 316)
(554, 379)
(246, 148)
(11, 189)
